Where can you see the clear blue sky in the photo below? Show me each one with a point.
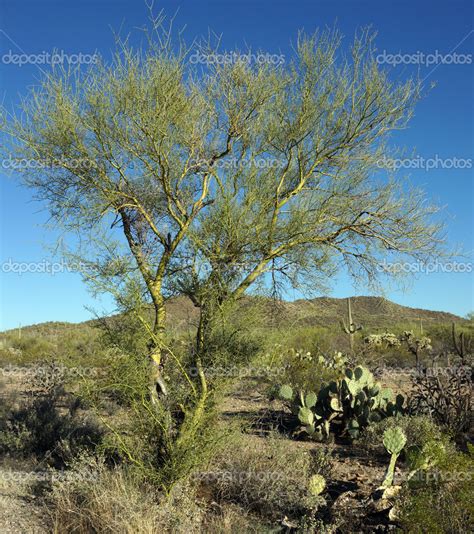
(442, 127)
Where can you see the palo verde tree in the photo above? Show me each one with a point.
(205, 177)
(116, 152)
(305, 188)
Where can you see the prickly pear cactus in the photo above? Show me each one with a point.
(394, 439)
(311, 399)
(285, 392)
(317, 484)
(305, 415)
(345, 405)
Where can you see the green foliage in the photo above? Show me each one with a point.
(308, 371)
(345, 405)
(422, 458)
(440, 499)
(63, 343)
(38, 428)
(394, 439)
(165, 442)
(419, 431)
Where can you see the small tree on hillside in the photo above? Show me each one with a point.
(203, 178)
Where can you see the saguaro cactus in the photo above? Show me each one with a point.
(350, 328)
(460, 346)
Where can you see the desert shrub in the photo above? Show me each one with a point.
(305, 370)
(119, 501)
(234, 338)
(123, 332)
(165, 441)
(442, 335)
(73, 345)
(442, 500)
(38, 428)
(316, 339)
(419, 431)
(126, 379)
(265, 477)
(227, 347)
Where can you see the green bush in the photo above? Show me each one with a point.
(162, 440)
(419, 431)
(304, 370)
(441, 500)
(38, 428)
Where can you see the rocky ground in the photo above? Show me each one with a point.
(21, 511)
(355, 473)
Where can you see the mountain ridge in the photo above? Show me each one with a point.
(370, 311)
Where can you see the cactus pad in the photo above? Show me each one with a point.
(317, 484)
(394, 439)
(285, 392)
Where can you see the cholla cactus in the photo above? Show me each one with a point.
(374, 340)
(394, 439)
(317, 484)
(387, 338)
(390, 339)
(416, 345)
